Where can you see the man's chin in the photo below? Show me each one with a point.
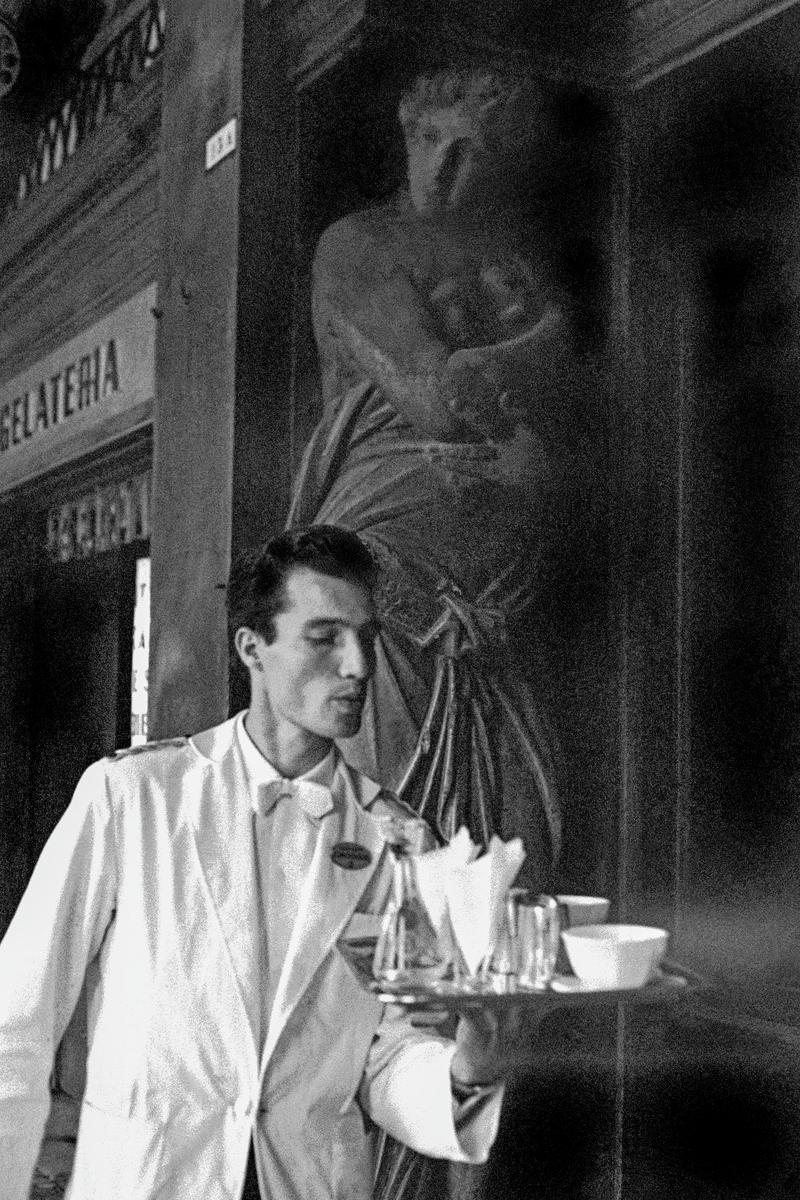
(346, 724)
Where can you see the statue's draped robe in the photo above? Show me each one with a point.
(453, 543)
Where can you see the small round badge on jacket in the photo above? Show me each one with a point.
(351, 856)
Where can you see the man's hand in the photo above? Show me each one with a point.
(489, 1045)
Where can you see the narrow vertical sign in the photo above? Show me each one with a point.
(141, 651)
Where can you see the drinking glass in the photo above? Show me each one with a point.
(409, 950)
(538, 929)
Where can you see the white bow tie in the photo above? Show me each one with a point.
(314, 798)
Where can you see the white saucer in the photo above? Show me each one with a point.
(571, 983)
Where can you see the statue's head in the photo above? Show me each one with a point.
(467, 130)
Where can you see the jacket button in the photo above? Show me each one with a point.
(242, 1107)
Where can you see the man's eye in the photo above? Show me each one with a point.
(321, 639)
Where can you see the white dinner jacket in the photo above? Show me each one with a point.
(148, 888)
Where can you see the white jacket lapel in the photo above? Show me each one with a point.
(332, 892)
(222, 826)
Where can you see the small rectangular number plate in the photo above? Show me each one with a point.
(221, 144)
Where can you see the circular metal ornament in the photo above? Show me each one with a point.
(9, 58)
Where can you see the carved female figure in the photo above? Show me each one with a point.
(442, 343)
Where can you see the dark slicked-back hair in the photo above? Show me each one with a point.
(256, 590)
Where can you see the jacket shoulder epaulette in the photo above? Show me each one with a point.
(146, 747)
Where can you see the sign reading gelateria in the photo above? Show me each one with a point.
(95, 387)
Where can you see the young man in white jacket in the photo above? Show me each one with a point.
(199, 886)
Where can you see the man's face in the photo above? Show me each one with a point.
(316, 669)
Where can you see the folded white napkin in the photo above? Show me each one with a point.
(465, 894)
(436, 869)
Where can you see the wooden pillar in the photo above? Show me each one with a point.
(195, 368)
(221, 462)
(710, 843)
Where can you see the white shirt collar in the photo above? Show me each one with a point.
(260, 770)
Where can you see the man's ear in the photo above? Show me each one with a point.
(246, 642)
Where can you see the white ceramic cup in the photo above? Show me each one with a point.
(584, 910)
(615, 956)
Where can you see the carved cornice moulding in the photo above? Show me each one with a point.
(319, 33)
(118, 15)
(665, 34)
(617, 44)
(126, 145)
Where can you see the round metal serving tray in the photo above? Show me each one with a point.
(671, 984)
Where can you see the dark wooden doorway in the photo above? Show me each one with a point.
(75, 666)
(80, 709)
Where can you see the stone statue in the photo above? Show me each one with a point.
(443, 342)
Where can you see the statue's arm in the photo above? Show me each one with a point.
(367, 304)
(510, 374)
(366, 308)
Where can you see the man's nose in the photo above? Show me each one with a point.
(357, 659)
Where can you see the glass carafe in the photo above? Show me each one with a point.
(409, 951)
